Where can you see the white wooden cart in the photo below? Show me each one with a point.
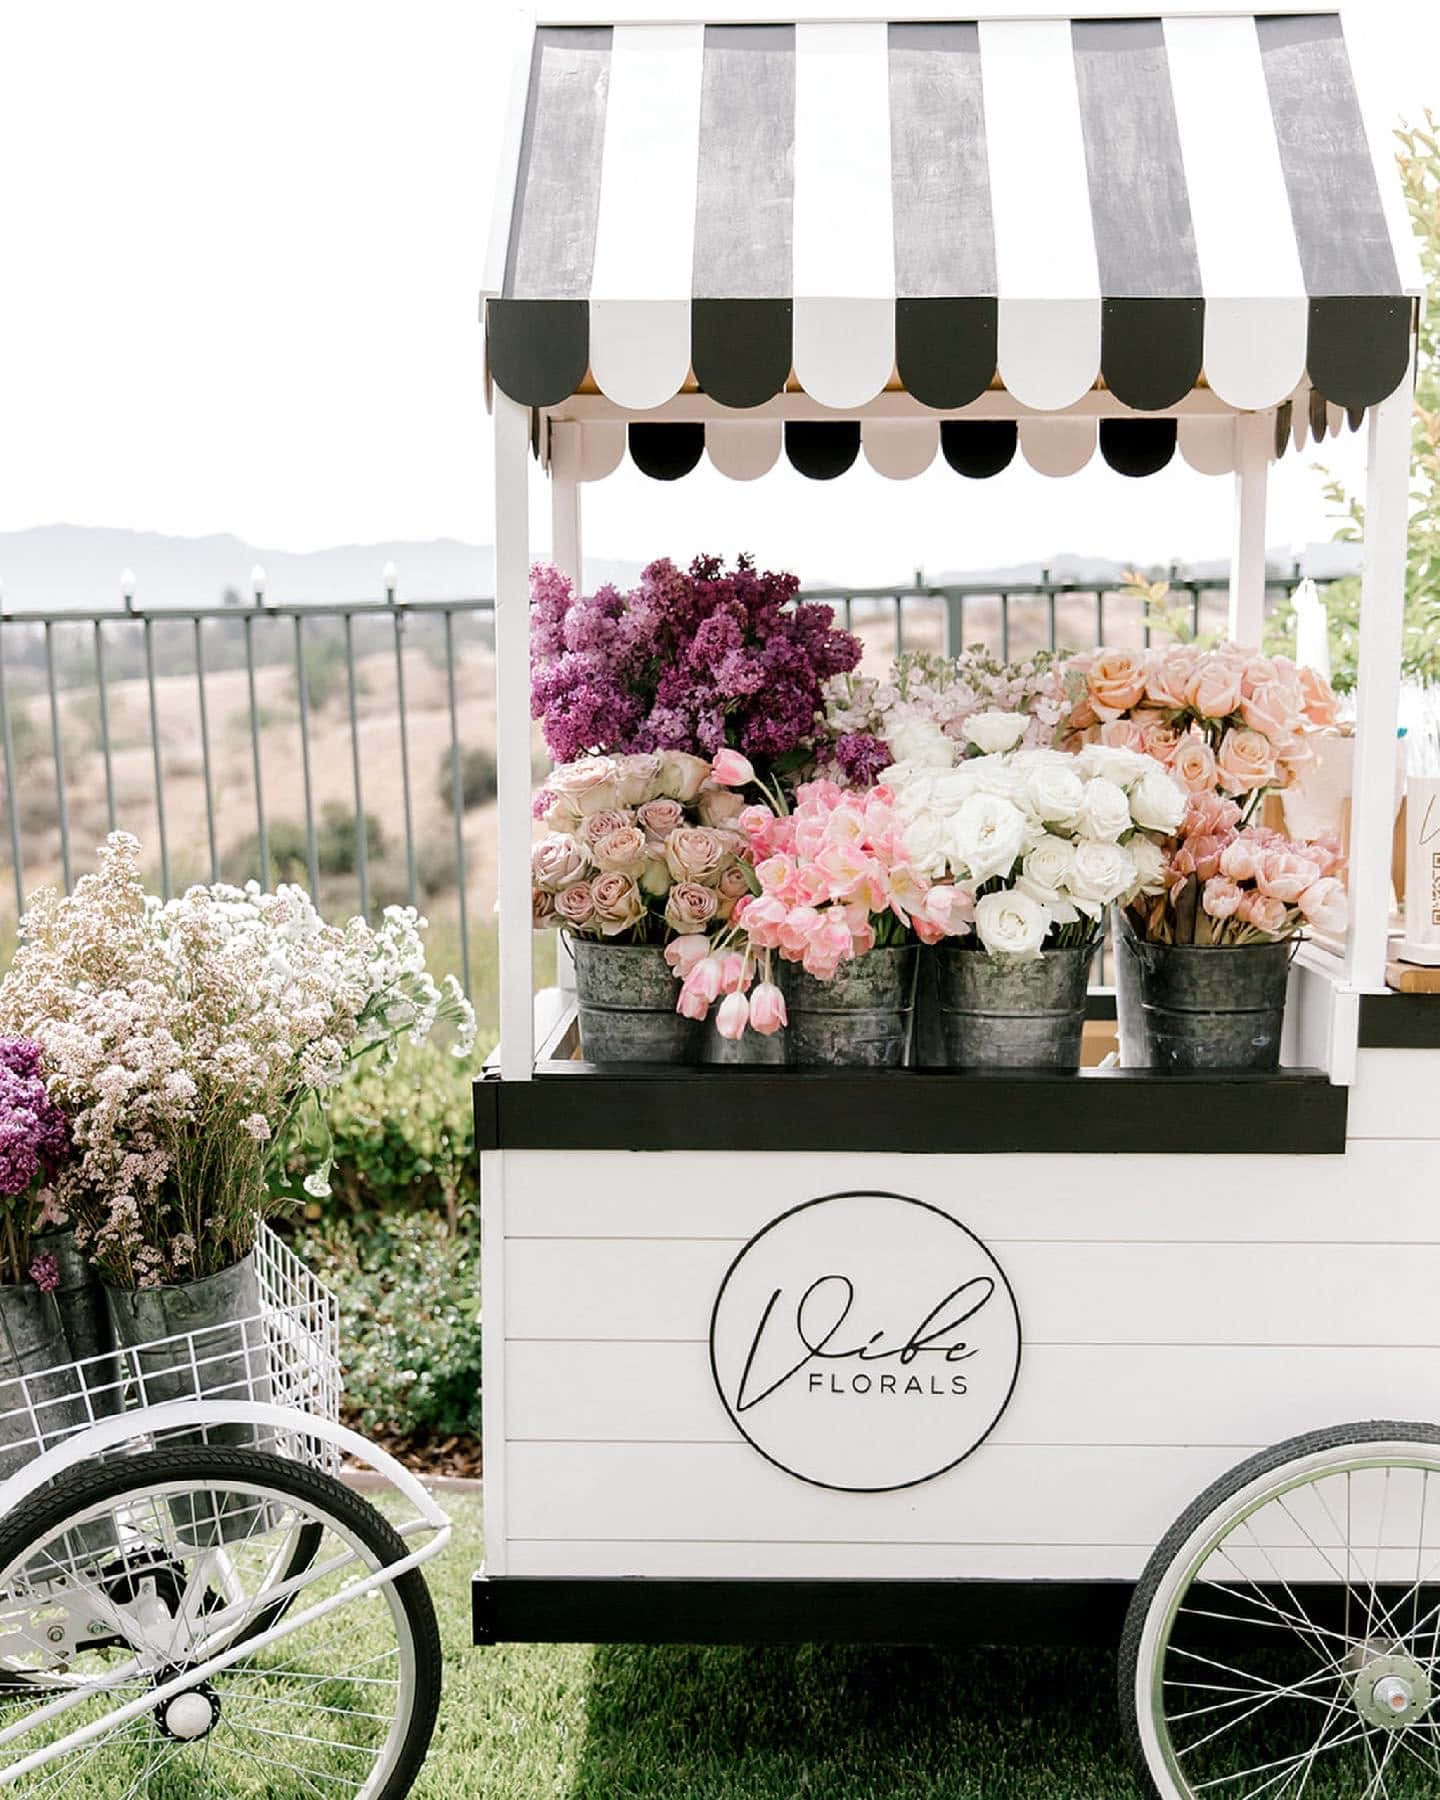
(754, 1339)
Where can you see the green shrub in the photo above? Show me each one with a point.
(477, 778)
(410, 1301)
(336, 839)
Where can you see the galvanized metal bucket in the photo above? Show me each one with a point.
(80, 1298)
(627, 995)
(751, 1050)
(861, 1019)
(1205, 1006)
(221, 1356)
(46, 1406)
(1012, 1012)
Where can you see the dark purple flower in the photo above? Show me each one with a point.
(862, 757)
(34, 1133)
(45, 1272)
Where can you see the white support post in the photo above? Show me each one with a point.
(1247, 557)
(512, 731)
(566, 553)
(1382, 624)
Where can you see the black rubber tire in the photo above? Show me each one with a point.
(1264, 1462)
(96, 1483)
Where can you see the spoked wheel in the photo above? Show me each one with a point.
(1284, 1641)
(151, 1569)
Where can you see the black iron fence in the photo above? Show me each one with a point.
(351, 747)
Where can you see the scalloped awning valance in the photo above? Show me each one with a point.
(1038, 204)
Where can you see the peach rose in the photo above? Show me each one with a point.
(1322, 709)
(1168, 676)
(1285, 875)
(1192, 764)
(1268, 709)
(1160, 741)
(1116, 682)
(619, 904)
(1245, 761)
(1124, 734)
(1214, 689)
(690, 907)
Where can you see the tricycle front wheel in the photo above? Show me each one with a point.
(1284, 1640)
(136, 1606)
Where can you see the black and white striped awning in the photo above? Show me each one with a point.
(1035, 204)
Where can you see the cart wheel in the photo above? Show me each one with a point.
(1287, 1629)
(343, 1704)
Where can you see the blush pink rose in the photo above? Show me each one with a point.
(697, 853)
(575, 906)
(1221, 898)
(718, 805)
(619, 904)
(658, 818)
(1193, 764)
(1285, 875)
(1245, 761)
(1168, 676)
(1116, 681)
(601, 824)
(1325, 906)
(542, 909)
(1268, 709)
(1318, 698)
(623, 852)
(1214, 690)
(1124, 734)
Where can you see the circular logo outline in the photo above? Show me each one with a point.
(890, 1487)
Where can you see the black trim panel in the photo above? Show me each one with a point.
(1150, 350)
(820, 448)
(1359, 349)
(978, 448)
(740, 349)
(665, 452)
(1400, 1021)
(945, 349)
(539, 349)
(576, 1106)
(1137, 446)
(522, 1609)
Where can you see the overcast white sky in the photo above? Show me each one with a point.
(240, 246)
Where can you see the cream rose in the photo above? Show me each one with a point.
(1011, 923)
(638, 778)
(924, 840)
(1149, 861)
(986, 836)
(557, 861)
(718, 805)
(619, 904)
(689, 907)
(995, 732)
(1100, 873)
(622, 852)
(681, 775)
(1047, 863)
(591, 785)
(697, 853)
(1157, 803)
(1104, 810)
(1110, 762)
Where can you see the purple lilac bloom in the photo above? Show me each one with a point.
(34, 1133)
(688, 660)
(862, 756)
(45, 1272)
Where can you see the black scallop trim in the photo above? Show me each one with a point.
(1284, 416)
(1359, 349)
(979, 448)
(666, 452)
(1137, 446)
(741, 349)
(1151, 350)
(822, 449)
(1319, 418)
(945, 349)
(539, 349)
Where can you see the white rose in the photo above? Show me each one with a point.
(924, 841)
(912, 786)
(919, 740)
(1157, 801)
(1061, 910)
(1011, 923)
(993, 775)
(1053, 792)
(1149, 864)
(1105, 810)
(1123, 767)
(1099, 874)
(1048, 861)
(986, 835)
(993, 732)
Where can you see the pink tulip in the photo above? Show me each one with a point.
(683, 953)
(691, 1005)
(733, 1015)
(732, 972)
(1325, 906)
(707, 978)
(767, 1009)
(731, 769)
(1221, 898)
(1285, 875)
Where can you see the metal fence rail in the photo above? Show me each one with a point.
(83, 692)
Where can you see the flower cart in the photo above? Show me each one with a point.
(902, 1354)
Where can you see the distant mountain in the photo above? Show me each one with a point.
(56, 568)
(1319, 560)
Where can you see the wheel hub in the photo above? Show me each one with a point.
(189, 1716)
(1390, 1689)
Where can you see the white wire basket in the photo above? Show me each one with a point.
(286, 1355)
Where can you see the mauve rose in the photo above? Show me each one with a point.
(733, 885)
(658, 818)
(601, 824)
(542, 909)
(621, 852)
(1245, 761)
(575, 906)
(718, 805)
(639, 778)
(557, 861)
(592, 784)
(1285, 875)
(690, 907)
(682, 775)
(1116, 681)
(697, 853)
(1193, 764)
(1214, 690)
(619, 904)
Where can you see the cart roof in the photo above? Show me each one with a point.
(948, 209)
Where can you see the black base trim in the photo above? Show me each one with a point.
(520, 1609)
(577, 1106)
(1400, 1021)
